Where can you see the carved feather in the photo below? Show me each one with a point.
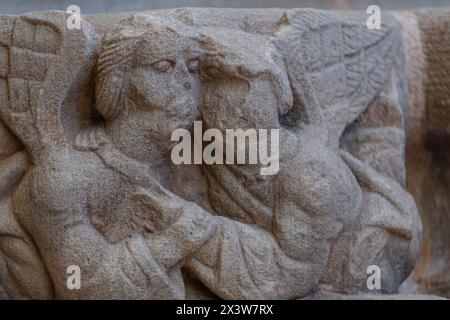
(336, 66)
(45, 62)
(40, 61)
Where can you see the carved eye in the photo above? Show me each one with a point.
(193, 65)
(210, 73)
(163, 66)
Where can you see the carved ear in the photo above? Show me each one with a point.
(336, 66)
(47, 63)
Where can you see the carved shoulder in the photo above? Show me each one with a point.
(62, 182)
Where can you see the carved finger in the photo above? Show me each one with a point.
(150, 201)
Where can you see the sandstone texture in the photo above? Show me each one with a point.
(88, 184)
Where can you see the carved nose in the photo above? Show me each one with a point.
(187, 85)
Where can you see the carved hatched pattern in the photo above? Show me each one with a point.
(28, 47)
(343, 64)
(44, 58)
(34, 45)
(6, 25)
(40, 61)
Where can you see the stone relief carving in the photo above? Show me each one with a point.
(86, 177)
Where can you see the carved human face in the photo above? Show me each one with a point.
(162, 95)
(243, 81)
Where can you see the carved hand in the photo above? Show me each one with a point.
(165, 208)
(178, 228)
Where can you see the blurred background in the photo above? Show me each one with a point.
(96, 6)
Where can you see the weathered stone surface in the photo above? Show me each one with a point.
(87, 180)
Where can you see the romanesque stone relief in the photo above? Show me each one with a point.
(87, 179)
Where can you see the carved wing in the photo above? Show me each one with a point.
(41, 65)
(42, 62)
(336, 66)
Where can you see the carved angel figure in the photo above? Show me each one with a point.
(87, 202)
(338, 204)
(90, 186)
